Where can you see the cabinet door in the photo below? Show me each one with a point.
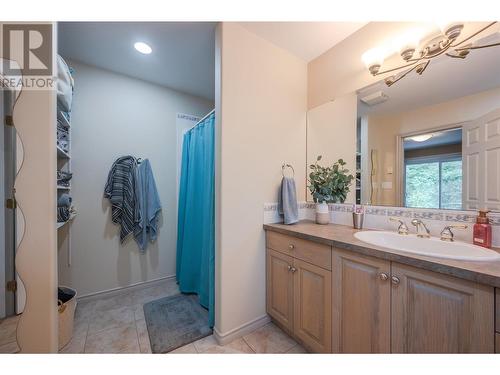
(434, 313)
(361, 297)
(279, 293)
(313, 310)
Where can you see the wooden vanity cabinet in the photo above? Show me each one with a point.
(313, 306)
(339, 301)
(279, 296)
(299, 295)
(361, 295)
(435, 313)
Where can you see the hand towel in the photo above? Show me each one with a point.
(287, 201)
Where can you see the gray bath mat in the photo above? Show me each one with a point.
(175, 321)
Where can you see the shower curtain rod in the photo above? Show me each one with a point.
(204, 117)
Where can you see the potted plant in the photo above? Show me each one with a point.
(328, 185)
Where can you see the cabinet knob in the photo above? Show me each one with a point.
(289, 267)
(395, 280)
(383, 276)
(293, 269)
(291, 247)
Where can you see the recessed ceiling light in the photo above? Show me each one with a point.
(143, 48)
(421, 138)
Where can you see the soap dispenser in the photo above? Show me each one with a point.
(482, 230)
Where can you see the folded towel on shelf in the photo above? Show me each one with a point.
(287, 201)
(64, 178)
(65, 213)
(64, 200)
(65, 84)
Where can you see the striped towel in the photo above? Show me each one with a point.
(120, 190)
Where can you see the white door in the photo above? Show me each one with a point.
(481, 162)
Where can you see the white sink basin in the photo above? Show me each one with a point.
(432, 247)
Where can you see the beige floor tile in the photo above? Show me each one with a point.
(77, 343)
(122, 339)
(186, 349)
(205, 343)
(84, 310)
(75, 346)
(142, 334)
(111, 319)
(297, 349)
(8, 328)
(139, 312)
(9, 348)
(113, 303)
(238, 346)
(143, 296)
(269, 339)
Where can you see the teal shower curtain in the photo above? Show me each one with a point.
(196, 215)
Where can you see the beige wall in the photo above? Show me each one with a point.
(331, 133)
(114, 115)
(262, 124)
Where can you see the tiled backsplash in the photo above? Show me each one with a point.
(377, 217)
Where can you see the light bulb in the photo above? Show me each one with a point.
(143, 48)
(373, 59)
(451, 29)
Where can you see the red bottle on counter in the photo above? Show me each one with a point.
(482, 230)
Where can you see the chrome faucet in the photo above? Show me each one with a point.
(402, 229)
(422, 230)
(447, 234)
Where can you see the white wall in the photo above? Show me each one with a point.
(115, 115)
(262, 124)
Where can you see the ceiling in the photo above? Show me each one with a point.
(306, 40)
(183, 56)
(444, 79)
(440, 138)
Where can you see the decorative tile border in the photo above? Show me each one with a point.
(424, 214)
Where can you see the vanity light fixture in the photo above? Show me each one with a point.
(143, 48)
(417, 56)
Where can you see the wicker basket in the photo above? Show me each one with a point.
(66, 317)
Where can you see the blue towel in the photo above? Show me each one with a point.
(287, 201)
(64, 200)
(146, 227)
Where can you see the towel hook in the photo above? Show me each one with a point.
(287, 166)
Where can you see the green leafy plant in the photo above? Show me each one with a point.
(329, 184)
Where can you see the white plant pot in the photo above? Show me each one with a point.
(322, 214)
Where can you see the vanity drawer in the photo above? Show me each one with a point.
(308, 251)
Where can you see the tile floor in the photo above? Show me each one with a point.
(117, 325)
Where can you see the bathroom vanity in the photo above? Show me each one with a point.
(337, 294)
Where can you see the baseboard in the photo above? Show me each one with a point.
(125, 289)
(226, 338)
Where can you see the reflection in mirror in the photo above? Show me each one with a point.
(433, 141)
(433, 169)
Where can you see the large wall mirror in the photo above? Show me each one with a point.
(428, 141)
